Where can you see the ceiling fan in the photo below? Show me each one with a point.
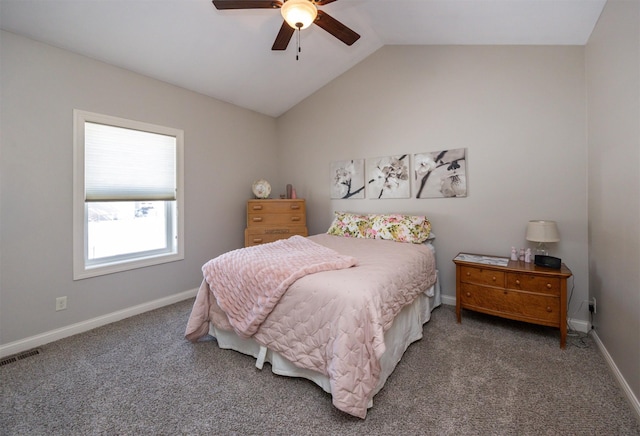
(298, 14)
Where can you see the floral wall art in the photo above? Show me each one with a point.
(434, 174)
(440, 174)
(388, 177)
(347, 179)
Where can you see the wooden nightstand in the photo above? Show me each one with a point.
(512, 289)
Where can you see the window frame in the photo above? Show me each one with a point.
(82, 267)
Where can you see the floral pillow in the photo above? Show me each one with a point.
(350, 225)
(401, 228)
(395, 227)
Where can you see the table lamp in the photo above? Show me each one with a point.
(542, 232)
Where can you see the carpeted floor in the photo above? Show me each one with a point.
(139, 376)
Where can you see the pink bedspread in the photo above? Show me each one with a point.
(334, 321)
(248, 283)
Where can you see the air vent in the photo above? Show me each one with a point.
(20, 356)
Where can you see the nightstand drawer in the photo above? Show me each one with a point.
(543, 309)
(527, 282)
(482, 276)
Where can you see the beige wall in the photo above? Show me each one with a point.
(613, 88)
(226, 148)
(520, 112)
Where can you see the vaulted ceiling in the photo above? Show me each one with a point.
(226, 54)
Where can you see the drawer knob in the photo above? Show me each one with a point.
(518, 282)
(257, 207)
(468, 294)
(257, 219)
(493, 278)
(295, 218)
(468, 273)
(549, 309)
(257, 240)
(549, 286)
(295, 206)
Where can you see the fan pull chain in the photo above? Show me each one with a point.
(299, 49)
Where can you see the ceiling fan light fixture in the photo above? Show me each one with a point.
(299, 14)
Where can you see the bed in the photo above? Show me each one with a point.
(344, 322)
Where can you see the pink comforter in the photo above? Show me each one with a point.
(333, 322)
(248, 283)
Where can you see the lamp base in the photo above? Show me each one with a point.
(541, 249)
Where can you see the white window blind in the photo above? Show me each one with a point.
(123, 164)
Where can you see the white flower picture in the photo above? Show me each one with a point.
(440, 174)
(347, 179)
(388, 177)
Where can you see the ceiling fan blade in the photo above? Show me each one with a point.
(336, 28)
(247, 4)
(283, 38)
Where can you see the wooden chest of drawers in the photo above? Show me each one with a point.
(270, 220)
(519, 290)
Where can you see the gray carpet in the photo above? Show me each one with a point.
(485, 376)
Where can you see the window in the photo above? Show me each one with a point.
(127, 195)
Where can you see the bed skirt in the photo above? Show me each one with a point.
(406, 329)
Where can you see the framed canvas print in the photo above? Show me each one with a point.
(347, 178)
(440, 174)
(388, 177)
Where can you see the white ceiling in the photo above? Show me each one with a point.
(227, 54)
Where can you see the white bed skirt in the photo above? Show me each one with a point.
(406, 329)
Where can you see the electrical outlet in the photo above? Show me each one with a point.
(595, 307)
(592, 306)
(61, 303)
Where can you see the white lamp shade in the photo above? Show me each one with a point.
(299, 13)
(542, 231)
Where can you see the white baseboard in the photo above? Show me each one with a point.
(84, 326)
(578, 325)
(448, 301)
(626, 389)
